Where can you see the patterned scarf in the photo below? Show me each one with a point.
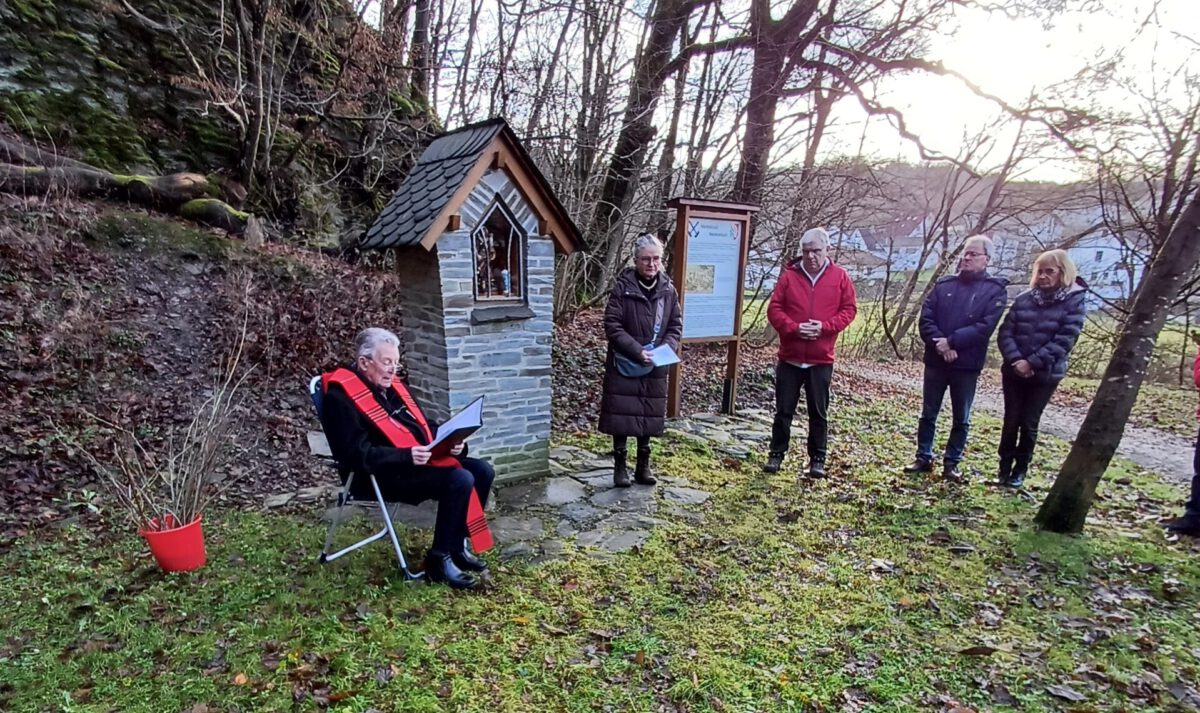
(1043, 298)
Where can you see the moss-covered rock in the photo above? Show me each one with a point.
(95, 81)
(125, 229)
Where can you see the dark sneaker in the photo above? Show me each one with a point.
(951, 474)
(1017, 479)
(774, 462)
(1187, 525)
(919, 466)
(816, 469)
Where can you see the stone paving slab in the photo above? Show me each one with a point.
(636, 499)
(686, 496)
(613, 541)
(735, 451)
(513, 528)
(580, 512)
(596, 478)
(318, 445)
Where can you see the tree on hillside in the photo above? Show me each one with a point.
(650, 73)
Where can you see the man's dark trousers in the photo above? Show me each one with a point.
(1192, 507)
(962, 395)
(815, 381)
(451, 488)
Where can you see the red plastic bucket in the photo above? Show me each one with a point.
(177, 549)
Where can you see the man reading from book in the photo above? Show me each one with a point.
(375, 426)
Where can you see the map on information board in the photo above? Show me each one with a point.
(711, 283)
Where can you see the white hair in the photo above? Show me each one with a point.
(646, 240)
(369, 340)
(814, 234)
(983, 240)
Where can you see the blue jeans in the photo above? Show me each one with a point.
(962, 396)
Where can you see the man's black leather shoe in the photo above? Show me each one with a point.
(816, 469)
(952, 474)
(440, 568)
(919, 466)
(468, 562)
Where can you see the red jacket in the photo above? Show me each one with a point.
(1196, 378)
(796, 300)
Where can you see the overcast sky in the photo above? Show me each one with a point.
(1011, 58)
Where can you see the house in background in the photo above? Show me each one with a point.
(1110, 267)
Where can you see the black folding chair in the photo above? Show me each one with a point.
(387, 511)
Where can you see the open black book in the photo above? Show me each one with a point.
(457, 428)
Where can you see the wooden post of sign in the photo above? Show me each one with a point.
(694, 214)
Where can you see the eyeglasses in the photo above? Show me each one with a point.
(973, 253)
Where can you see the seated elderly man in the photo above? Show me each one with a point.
(375, 426)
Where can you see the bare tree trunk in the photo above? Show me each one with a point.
(637, 131)
(656, 217)
(778, 46)
(419, 51)
(1066, 507)
(464, 68)
(535, 113)
(498, 105)
(184, 194)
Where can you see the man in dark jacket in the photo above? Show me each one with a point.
(957, 321)
(812, 303)
(405, 474)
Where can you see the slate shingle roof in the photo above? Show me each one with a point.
(435, 178)
(430, 185)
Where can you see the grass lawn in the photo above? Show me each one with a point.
(869, 591)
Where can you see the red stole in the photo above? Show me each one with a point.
(401, 437)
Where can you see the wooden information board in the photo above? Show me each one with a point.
(708, 267)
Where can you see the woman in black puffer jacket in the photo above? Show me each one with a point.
(1035, 338)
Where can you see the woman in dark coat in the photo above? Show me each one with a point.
(1035, 338)
(643, 311)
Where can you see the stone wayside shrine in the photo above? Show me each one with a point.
(476, 226)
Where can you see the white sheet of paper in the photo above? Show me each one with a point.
(663, 355)
(469, 417)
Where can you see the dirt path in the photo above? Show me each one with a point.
(1151, 448)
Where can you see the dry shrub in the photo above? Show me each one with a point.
(181, 481)
(303, 316)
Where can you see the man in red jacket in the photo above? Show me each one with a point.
(1189, 524)
(812, 303)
